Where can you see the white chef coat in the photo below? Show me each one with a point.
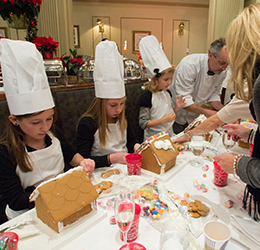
(47, 163)
(197, 87)
(161, 105)
(114, 141)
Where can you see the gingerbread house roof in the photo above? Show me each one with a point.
(67, 193)
(162, 146)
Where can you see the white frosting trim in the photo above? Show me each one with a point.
(163, 144)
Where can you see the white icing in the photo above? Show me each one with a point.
(162, 169)
(60, 226)
(163, 144)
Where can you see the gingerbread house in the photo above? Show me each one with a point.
(195, 123)
(64, 199)
(159, 153)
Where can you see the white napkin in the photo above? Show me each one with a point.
(246, 231)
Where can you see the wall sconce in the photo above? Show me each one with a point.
(125, 48)
(181, 28)
(100, 26)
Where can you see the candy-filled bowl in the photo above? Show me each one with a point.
(9, 241)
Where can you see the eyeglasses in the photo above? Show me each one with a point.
(223, 67)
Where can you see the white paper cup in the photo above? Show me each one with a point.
(216, 235)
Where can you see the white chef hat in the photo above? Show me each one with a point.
(108, 71)
(25, 82)
(152, 55)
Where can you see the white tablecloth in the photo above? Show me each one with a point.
(99, 234)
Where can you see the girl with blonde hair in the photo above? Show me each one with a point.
(102, 132)
(243, 49)
(156, 112)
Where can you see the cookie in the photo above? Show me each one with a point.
(197, 208)
(110, 172)
(102, 186)
(194, 214)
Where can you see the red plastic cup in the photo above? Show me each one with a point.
(251, 149)
(132, 234)
(133, 246)
(13, 240)
(134, 164)
(220, 177)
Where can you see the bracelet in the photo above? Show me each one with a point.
(235, 163)
(188, 134)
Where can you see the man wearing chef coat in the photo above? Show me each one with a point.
(198, 78)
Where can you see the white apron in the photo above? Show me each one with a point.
(47, 163)
(161, 105)
(114, 141)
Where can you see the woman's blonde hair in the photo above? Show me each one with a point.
(152, 85)
(243, 48)
(13, 139)
(97, 111)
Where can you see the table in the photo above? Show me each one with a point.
(99, 234)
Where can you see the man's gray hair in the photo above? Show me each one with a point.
(216, 46)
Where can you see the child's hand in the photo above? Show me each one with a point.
(180, 102)
(169, 117)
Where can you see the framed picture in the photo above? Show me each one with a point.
(137, 36)
(76, 36)
(3, 32)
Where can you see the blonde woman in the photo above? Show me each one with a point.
(102, 133)
(243, 49)
(156, 112)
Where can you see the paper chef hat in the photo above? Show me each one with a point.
(25, 82)
(152, 55)
(108, 71)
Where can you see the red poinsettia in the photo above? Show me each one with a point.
(37, 2)
(46, 44)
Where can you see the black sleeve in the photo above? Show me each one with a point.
(67, 150)
(131, 139)
(85, 138)
(145, 99)
(11, 190)
(170, 93)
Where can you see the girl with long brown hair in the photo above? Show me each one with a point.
(30, 151)
(102, 133)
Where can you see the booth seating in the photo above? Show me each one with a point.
(71, 103)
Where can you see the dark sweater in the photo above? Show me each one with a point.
(85, 138)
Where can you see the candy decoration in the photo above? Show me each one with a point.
(186, 195)
(205, 168)
(204, 175)
(112, 220)
(204, 190)
(229, 204)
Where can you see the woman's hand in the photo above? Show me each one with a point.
(118, 157)
(237, 132)
(137, 146)
(88, 165)
(225, 161)
(183, 138)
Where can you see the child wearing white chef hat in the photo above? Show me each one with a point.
(30, 152)
(102, 133)
(156, 113)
